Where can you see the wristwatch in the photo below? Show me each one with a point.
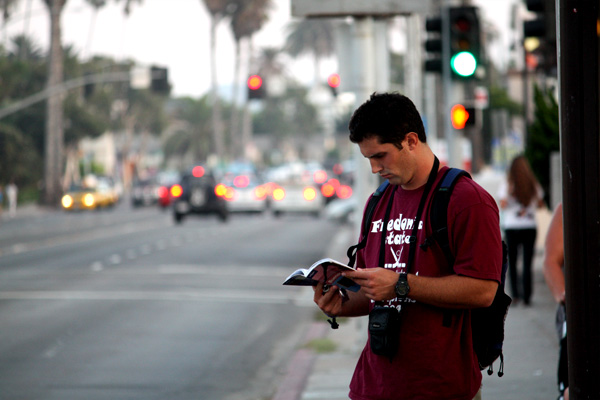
(402, 287)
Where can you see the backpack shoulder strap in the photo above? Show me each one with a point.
(439, 212)
(370, 209)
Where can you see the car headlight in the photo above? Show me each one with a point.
(88, 200)
(66, 201)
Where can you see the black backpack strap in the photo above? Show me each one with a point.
(438, 217)
(439, 212)
(352, 250)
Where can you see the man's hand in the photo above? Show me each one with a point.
(329, 299)
(376, 283)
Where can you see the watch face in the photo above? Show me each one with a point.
(402, 286)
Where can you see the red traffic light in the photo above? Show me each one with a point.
(333, 80)
(254, 82)
(459, 116)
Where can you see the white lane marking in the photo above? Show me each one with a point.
(97, 266)
(131, 254)
(206, 295)
(115, 259)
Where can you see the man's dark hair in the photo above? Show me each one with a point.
(387, 116)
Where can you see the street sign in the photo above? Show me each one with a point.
(344, 8)
(481, 97)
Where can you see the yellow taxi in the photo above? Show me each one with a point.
(87, 198)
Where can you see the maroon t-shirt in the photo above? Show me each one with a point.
(435, 360)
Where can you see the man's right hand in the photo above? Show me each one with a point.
(329, 301)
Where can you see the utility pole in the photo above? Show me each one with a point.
(579, 77)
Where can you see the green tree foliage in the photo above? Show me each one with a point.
(499, 99)
(290, 115)
(19, 159)
(543, 136)
(194, 138)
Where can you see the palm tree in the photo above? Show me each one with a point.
(96, 5)
(54, 131)
(248, 18)
(6, 7)
(314, 36)
(218, 9)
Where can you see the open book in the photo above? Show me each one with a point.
(325, 270)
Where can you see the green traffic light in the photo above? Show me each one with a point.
(464, 63)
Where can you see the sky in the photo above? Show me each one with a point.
(175, 34)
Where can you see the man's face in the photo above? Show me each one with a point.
(387, 160)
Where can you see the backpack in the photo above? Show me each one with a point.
(487, 324)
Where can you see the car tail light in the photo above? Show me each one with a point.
(198, 171)
(278, 194)
(320, 176)
(328, 190)
(260, 192)
(241, 181)
(220, 190)
(309, 193)
(338, 169)
(176, 190)
(229, 193)
(163, 192)
(344, 192)
(269, 188)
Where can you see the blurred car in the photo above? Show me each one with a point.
(86, 198)
(333, 189)
(245, 193)
(198, 193)
(144, 192)
(342, 210)
(166, 180)
(297, 198)
(107, 186)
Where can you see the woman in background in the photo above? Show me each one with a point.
(519, 197)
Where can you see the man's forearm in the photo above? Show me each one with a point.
(453, 291)
(356, 306)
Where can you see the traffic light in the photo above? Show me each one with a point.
(542, 27)
(159, 80)
(433, 44)
(465, 41)
(256, 89)
(462, 116)
(88, 88)
(333, 81)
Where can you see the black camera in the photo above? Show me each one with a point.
(384, 330)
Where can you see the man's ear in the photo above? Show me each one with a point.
(412, 140)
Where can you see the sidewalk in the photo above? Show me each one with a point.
(530, 345)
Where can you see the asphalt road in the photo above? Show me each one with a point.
(124, 304)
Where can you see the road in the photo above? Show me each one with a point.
(124, 304)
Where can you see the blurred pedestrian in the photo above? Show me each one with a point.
(554, 260)
(520, 195)
(11, 195)
(1, 199)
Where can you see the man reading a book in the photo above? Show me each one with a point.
(433, 356)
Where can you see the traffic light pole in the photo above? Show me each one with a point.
(447, 85)
(63, 87)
